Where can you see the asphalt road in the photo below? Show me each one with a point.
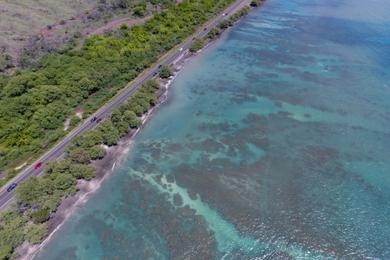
(103, 112)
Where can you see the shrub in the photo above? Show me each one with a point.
(88, 76)
(97, 152)
(12, 234)
(165, 72)
(34, 103)
(5, 62)
(35, 232)
(224, 24)
(140, 10)
(124, 27)
(213, 33)
(198, 44)
(40, 215)
(77, 35)
(5, 251)
(78, 155)
(80, 171)
(109, 133)
(65, 183)
(74, 121)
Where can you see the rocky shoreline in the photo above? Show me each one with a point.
(106, 166)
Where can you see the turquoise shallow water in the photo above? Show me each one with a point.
(274, 144)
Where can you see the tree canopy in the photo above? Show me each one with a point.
(35, 102)
(38, 198)
(165, 72)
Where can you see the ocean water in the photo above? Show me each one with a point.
(274, 144)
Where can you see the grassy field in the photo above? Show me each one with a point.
(22, 19)
(35, 27)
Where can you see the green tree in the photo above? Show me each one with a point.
(140, 10)
(197, 45)
(89, 139)
(78, 155)
(213, 33)
(109, 133)
(29, 192)
(97, 152)
(40, 216)
(35, 102)
(223, 25)
(5, 62)
(165, 72)
(5, 251)
(132, 118)
(65, 183)
(74, 121)
(116, 116)
(80, 171)
(35, 232)
(11, 230)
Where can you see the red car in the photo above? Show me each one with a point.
(38, 165)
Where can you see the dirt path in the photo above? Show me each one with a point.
(116, 23)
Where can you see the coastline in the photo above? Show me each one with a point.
(104, 169)
(114, 155)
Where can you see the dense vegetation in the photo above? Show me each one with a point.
(38, 198)
(15, 229)
(5, 62)
(213, 33)
(50, 24)
(165, 72)
(198, 44)
(35, 103)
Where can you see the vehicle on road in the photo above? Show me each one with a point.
(205, 29)
(181, 49)
(38, 165)
(11, 187)
(55, 152)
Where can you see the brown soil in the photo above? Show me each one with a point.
(116, 23)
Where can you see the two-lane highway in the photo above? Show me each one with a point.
(56, 152)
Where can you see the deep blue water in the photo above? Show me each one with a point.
(274, 144)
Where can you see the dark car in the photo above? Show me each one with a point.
(205, 29)
(98, 120)
(38, 165)
(11, 187)
(93, 119)
(159, 66)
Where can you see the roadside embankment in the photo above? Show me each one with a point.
(102, 149)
